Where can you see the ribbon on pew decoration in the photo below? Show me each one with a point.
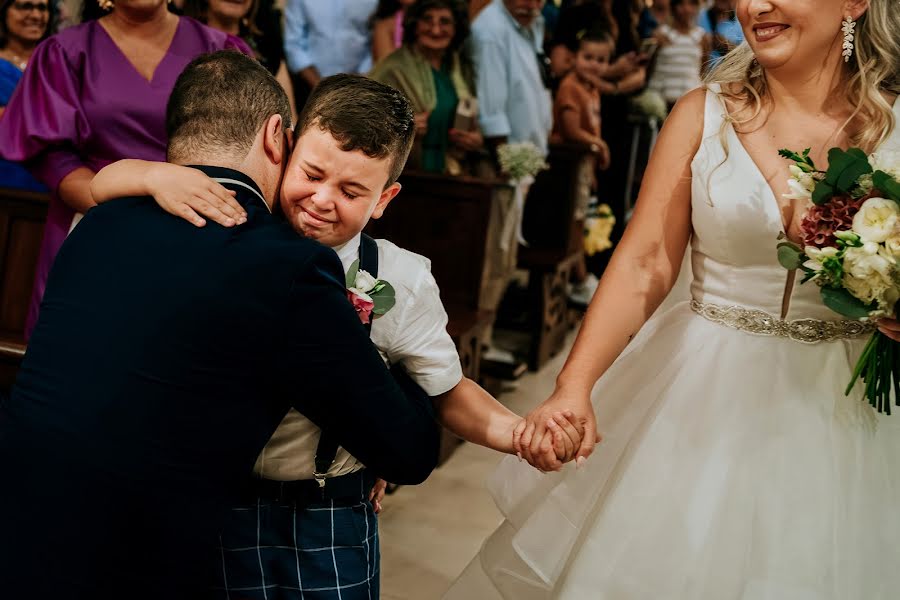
(522, 162)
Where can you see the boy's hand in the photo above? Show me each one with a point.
(189, 193)
(377, 494)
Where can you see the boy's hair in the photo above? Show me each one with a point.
(219, 103)
(593, 34)
(362, 114)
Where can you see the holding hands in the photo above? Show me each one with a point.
(561, 429)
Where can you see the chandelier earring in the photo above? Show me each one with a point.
(849, 29)
(105, 4)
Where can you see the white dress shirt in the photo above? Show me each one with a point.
(413, 333)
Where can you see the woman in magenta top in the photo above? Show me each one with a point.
(94, 94)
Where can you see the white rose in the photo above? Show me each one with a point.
(364, 281)
(360, 293)
(867, 262)
(887, 161)
(860, 288)
(876, 220)
(892, 244)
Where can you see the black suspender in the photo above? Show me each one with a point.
(328, 446)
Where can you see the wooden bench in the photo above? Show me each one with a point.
(447, 220)
(555, 245)
(22, 217)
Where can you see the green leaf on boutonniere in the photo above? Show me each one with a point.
(790, 255)
(844, 303)
(845, 168)
(351, 274)
(384, 298)
(887, 185)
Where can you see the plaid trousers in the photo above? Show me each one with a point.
(282, 551)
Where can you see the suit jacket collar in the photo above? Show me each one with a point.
(235, 180)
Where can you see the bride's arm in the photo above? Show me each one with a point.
(640, 274)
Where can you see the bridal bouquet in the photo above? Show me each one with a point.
(851, 249)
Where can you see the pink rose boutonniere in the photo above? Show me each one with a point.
(368, 295)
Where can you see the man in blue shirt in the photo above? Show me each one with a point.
(326, 37)
(514, 102)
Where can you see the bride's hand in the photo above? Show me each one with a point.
(890, 328)
(190, 194)
(531, 442)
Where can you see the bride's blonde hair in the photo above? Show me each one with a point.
(874, 68)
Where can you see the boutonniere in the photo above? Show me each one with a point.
(368, 295)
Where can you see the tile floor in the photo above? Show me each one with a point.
(430, 532)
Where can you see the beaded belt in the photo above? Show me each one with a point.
(808, 331)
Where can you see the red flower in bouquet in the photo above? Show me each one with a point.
(821, 221)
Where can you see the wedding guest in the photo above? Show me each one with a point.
(653, 16)
(476, 6)
(387, 27)
(615, 110)
(165, 358)
(512, 77)
(23, 23)
(94, 94)
(242, 19)
(324, 37)
(624, 75)
(683, 49)
(576, 119)
(720, 21)
(435, 72)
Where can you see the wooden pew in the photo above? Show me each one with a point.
(554, 247)
(447, 219)
(22, 217)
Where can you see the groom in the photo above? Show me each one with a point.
(165, 357)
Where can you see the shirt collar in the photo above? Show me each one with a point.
(232, 178)
(535, 32)
(349, 251)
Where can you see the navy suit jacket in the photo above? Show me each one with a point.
(164, 358)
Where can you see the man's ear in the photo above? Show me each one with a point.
(274, 142)
(386, 196)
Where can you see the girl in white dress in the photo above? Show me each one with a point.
(733, 466)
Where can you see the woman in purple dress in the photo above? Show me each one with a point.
(94, 94)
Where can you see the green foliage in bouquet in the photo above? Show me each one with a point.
(845, 168)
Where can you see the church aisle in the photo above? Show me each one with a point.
(429, 533)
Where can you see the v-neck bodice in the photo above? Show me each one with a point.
(117, 51)
(736, 220)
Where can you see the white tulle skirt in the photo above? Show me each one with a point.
(733, 467)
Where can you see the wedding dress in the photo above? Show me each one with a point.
(733, 466)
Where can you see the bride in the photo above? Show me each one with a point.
(732, 465)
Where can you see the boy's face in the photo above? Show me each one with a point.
(592, 59)
(329, 194)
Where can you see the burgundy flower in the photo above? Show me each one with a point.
(820, 222)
